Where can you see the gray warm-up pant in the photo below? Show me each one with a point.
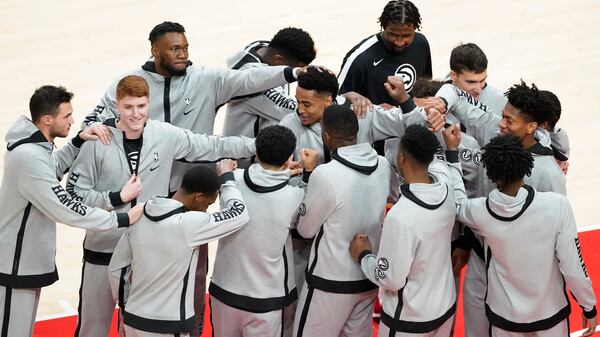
(559, 330)
(326, 314)
(474, 287)
(443, 331)
(18, 308)
(301, 249)
(131, 332)
(228, 321)
(96, 304)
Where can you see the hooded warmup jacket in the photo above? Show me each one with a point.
(32, 201)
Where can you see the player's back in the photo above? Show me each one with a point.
(360, 181)
(261, 250)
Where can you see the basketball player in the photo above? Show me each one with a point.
(256, 304)
(139, 147)
(32, 201)
(531, 247)
(412, 263)
(337, 299)
(246, 116)
(151, 272)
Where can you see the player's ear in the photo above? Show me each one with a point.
(531, 127)
(279, 60)
(154, 52)
(453, 76)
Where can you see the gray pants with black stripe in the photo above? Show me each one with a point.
(325, 314)
(228, 321)
(474, 287)
(559, 330)
(18, 308)
(131, 332)
(96, 304)
(443, 330)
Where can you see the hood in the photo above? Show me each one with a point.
(506, 208)
(159, 208)
(260, 180)
(430, 196)
(542, 147)
(359, 157)
(247, 55)
(23, 131)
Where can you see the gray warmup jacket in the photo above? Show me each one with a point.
(253, 268)
(378, 124)
(191, 101)
(412, 263)
(152, 271)
(533, 256)
(101, 170)
(247, 115)
(32, 201)
(334, 210)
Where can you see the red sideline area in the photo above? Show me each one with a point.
(61, 327)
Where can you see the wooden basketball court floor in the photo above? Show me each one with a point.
(84, 45)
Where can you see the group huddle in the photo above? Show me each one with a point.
(369, 189)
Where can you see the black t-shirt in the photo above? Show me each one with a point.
(132, 150)
(366, 67)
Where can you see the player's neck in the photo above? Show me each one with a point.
(417, 177)
(184, 199)
(272, 167)
(46, 132)
(511, 189)
(528, 142)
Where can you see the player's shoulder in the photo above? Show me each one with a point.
(291, 121)
(420, 39)
(364, 49)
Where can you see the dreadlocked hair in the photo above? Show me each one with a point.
(164, 28)
(400, 11)
(527, 100)
(505, 159)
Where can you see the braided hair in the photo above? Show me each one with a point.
(400, 11)
(505, 159)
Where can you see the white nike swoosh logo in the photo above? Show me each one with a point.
(375, 63)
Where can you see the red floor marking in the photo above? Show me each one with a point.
(590, 240)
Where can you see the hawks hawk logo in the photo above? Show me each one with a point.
(466, 155)
(477, 158)
(408, 74)
(382, 266)
(302, 209)
(188, 101)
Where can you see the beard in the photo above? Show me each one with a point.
(172, 70)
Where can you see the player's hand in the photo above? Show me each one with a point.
(590, 324)
(309, 158)
(226, 165)
(95, 132)
(436, 102)
(386, 106)
(131, 189)
(395, 88)
(564, 166)
(135, 213)
(452, 137)
(460, 257)
(360, 104)
(435, 119)
(359, 244)
(295, 167)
